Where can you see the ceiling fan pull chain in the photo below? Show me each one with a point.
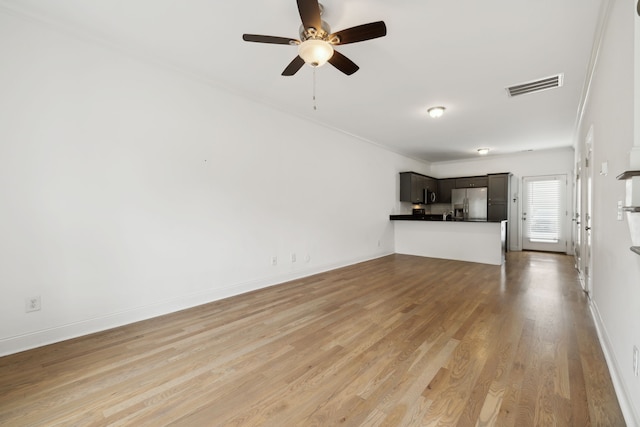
(315, 106)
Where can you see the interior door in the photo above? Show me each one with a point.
(588, 209)
(544, 213)
(577, 228)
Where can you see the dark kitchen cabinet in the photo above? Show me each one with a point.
(444, 189)
(498, 196)
(497, 212)
(431, 185)
(471, 182)
(498, 190)
(414, 185)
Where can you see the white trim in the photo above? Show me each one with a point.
(630, 416)
(587, 211)
(515, 213)
(56, 334)
(601, 26)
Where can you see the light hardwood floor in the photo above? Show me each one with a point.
(397, 341)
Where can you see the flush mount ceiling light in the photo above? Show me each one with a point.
(315, 52)
(483, 151)
(436, 112)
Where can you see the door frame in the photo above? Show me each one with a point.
(587, 211)
(576, 219)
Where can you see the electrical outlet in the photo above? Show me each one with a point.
(636, 361)
(293, 257)
(307, 258)
(32, 304)
(274, 260)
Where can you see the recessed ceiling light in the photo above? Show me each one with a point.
(436, 112)
(483, 151)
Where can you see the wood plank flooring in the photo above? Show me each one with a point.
(397, 341)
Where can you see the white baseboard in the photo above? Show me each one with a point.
(55, 334)
(628, 411)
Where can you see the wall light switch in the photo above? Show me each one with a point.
(604, 168)
(620, 213)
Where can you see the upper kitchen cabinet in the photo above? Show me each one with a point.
(498, 196)
(413, 187)
(472, 182)
(431, 185)
(498, 190)
(444, 189)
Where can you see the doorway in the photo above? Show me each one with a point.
(577, 220)
(587, 209)
(543, 213)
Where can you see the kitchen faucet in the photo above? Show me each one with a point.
(445, 214)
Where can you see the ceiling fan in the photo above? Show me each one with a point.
(315, 46)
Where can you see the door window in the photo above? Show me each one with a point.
(544, 213)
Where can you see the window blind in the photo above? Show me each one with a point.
(543, 221)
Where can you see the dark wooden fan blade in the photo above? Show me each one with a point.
(343, 63)
(310, 13)
(293, 66)
(268, 39)
(361, 33)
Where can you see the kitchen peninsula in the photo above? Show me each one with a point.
(473, 241)
(460, 218)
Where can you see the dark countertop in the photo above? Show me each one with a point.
(425, 217)
(430, 217)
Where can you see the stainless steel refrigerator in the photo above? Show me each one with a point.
(469, 204)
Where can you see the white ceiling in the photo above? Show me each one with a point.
(457, 53)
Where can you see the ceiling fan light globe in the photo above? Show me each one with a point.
(315, 52)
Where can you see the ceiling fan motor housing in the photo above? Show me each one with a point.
(313, 33)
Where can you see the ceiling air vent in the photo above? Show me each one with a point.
(536, 86)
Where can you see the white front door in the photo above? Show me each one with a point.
(544, 213)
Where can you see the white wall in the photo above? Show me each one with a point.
(637, 83)
(616, 270)
(532, 163)
(529, 163)
(130, 191)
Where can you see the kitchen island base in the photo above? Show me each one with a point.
(482, 242)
